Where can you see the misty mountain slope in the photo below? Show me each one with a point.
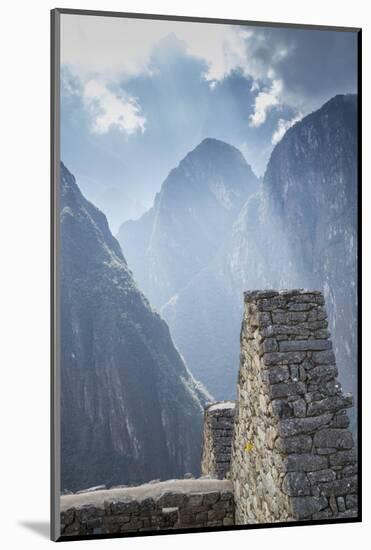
(130, 410)
(205, 319)
(311, 180)
(298, 230)
(190, 219)
(307, 221)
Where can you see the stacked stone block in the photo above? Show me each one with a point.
(176, 504)
(293, 455)
(217, 439)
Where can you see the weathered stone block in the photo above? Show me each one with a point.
(281, 408)
(201, 517)
(260, 319)
(296, 444)
(324, 357)
(325, 450)
(124, 507)
(194, 500)
(330, 404)
(333, 437)
(351, 501)
(321, 476)
(294, 426)
(296, 484)
(213, 515)
(289, 317)
(317, 314)
(304, 507)
(340, 487)
(88, 512)
(297, 306)
(322, 372)
(226, 495)
(324, 514)
(343, 458)
(300, 408)
(283, 358)
(269, 304)
(305, 462)
(172, 500)
(341, 504)
(278, 374)
(94, 523)
(285, 389)
(347, 514)
(68, 516)
(305, 345)
(340, 420)
(134, 525)
(147, 505)
(300, 330)
(73, 529)
(322, 333)
(211, 498)
(347, 471)
(317, 325)
(269, 344)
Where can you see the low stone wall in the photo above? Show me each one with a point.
(173, 504)
(217, 439)
(293, 455)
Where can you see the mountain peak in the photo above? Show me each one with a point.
(213, 145)
(214, 158)
(330, 123)
(340, 100)
(191, 218)
(73, 201)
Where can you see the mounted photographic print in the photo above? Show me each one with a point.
(205, 274)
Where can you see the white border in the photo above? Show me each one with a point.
(25, 230)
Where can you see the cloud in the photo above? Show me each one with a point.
(157, 88)
(108, 110)
(116, 46)
(286, 68)
(264, 102)
(223, 48)
(102, 53)
(92, 45)
(282, 127)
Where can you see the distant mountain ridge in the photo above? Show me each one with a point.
(295, 228)
(189, 220)
(130, 409)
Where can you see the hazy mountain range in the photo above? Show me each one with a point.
(189, 221)
(215, 230)
(131, 409)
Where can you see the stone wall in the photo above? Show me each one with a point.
(292, 455)
(217, 439)
(173, 504)
(284, 446)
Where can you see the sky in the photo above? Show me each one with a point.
(137, 95)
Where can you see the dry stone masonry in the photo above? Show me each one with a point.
(173, 504)
(284, 447)
(293, 455)
(217, 441)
